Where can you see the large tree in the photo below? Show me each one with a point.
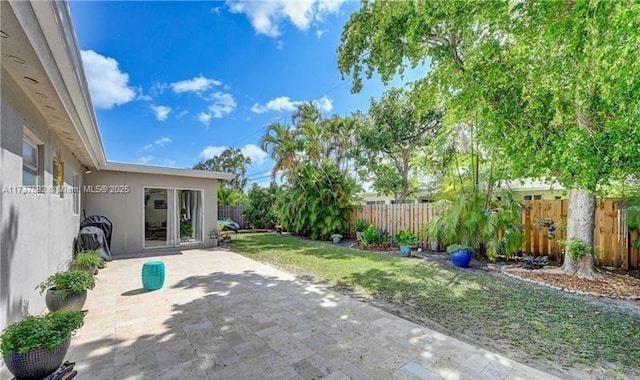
(389, 139)
(556, 84)
(233, 161)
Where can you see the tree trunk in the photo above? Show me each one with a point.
(580, 225)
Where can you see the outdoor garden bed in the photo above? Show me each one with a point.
(609, 284)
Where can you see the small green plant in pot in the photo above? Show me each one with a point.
(406, 240)
(67, 290)
(360, 226)
(88, 261)
(36, 346)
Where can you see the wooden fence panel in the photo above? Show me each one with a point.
(612, 238)
(234, 213)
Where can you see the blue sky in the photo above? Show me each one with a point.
(176, 82)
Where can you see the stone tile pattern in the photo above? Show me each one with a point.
(223, 316)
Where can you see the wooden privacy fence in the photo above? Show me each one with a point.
(612, 237)
(234, 213)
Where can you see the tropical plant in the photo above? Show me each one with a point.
(230, 197)
(47, 331)
(68, 283)
(316, 200)
(474, 218)
(87, 261)
(451, 248)
(576, 249)
(282, 143)
(631, 207)
(259, 212)
(533, 262)
(373, 236)
(404, 238)
(231, 160)
(361, 225)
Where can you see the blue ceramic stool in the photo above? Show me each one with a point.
(153, 275)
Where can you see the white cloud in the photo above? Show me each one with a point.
(108, 85)
(146, 159)
(163, 141)
(204, 118)
(182, 114)
(320, 32)
(210, 152)
(279, 104)
(170, 163)
(223, 104)
(162, 112)
(280, 45)
(325, 103)
(267, 16)
(197, 84)
(257, 155)
(284, 103)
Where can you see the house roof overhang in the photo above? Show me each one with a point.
(148, 169)
(40, 53)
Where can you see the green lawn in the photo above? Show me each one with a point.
(540, 322)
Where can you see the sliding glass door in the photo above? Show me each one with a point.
(172, 217)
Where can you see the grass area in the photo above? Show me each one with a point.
(540, 322)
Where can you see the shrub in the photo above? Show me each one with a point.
(316, 200)
(87, 261)
(458, 247)
(405, 237)
(576, 248)
(361, 225)
(69, 283)
(48, 331)
(531, 262)
(260, 206)
(373, 236)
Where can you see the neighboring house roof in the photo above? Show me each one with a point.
(40, 52)
(148, 169)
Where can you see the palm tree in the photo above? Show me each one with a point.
(283, 145)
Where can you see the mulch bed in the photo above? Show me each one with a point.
(608, 284)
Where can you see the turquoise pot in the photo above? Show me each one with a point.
(405, 250)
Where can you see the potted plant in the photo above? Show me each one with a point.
(36, 346)
(67, 290)
(336, 238)
(186, 230)
(460, 255)
(88, 261)
(360, 226)
(405, 240)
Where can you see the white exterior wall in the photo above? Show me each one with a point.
(37, 231)
(126, 211)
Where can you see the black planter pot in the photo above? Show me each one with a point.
(37, 363)
(55, 301)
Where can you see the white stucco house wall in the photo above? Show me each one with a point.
(53, 168)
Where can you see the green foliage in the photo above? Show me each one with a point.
(260, 203)
(48, 331)
(631, 206)
(390, 138)
(87, 261)
(373, 236)
(361, 225)
(404, 238)
(473, 218)
(233, 161)
(230, 197)
(532, 262)
(316, 200)
(186, 229)
(576, 248)
(69, 283)
(451, 248)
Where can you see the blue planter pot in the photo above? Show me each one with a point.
(405, 250)
(461, 258)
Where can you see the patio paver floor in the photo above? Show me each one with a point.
(223, 316)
